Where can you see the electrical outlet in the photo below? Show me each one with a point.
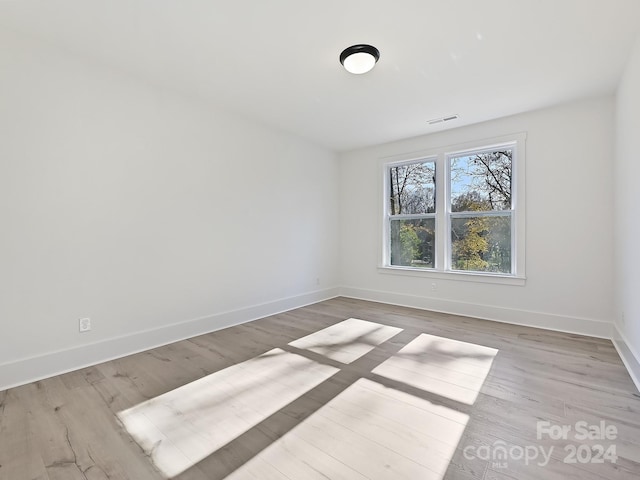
(318, 281)
(434, 287)
(84, 324)
(622, 319)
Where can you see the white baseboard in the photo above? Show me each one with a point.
(26, 370)
(629, 356)
(22, 371)
(548, 321)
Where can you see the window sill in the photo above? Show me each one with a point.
(457, 276)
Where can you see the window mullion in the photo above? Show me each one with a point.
(442, 207)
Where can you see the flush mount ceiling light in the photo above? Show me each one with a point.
(359, 58)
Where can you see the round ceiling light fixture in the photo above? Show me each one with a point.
(359, 59)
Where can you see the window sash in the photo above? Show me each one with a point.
(389, 235)
(449, 266)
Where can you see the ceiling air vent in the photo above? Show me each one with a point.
(442, 119)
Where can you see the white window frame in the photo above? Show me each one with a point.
(442, 262)
(387, 222)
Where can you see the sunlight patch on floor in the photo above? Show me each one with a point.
(348, 340)
(181, 427)
(390, 426)
(446, 367)
(367, 431)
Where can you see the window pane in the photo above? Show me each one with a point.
(412, 242)
(481, 181)
(481, 244)
(412, 188)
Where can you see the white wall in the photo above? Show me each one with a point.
(627, 224)
(161, 218)
(139, 208)
(569, 224)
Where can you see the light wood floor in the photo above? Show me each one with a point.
(342, 389)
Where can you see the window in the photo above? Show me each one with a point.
(457, 211)
(412, 214)
(480, 210)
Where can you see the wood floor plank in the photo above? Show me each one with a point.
(293, 458)
(19, 457)
(359, 452)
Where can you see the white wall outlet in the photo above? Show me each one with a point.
(318, 281)
(84, 324)
(434, 287)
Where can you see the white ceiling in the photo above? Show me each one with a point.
(277, 60)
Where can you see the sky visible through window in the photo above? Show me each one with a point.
(481, 181)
